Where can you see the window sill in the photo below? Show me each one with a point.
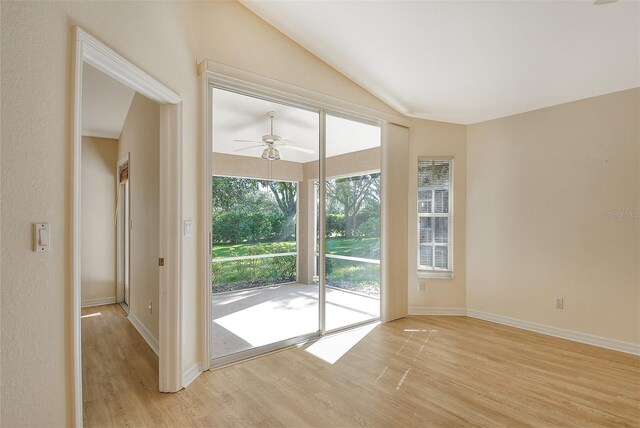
(431, 274)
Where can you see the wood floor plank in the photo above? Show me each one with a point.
(418, 371)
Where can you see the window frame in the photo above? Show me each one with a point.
(423, 271)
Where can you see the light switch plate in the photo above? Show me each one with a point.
(188, 228)
(41, 237)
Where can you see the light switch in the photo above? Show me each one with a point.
(188, 228)
(41, 238)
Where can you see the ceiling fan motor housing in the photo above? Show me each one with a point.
(271, 138)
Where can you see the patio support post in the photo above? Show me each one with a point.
(306, 230)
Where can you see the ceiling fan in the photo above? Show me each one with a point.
(273, 143)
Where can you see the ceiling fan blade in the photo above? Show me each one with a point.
(297, 148)
(248, 148)
(247, 141)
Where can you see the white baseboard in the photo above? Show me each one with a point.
(144, 332)
(87, 303)
(589, 339)
(417, 310)
(191, 374)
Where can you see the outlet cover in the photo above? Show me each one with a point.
(559, 303)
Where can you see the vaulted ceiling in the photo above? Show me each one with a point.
(469, 61)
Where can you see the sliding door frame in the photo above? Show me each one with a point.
(228, 78)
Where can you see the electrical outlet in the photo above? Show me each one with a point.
(421, 286)
(559, 303)
(150, 306)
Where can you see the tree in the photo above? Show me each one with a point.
(285, 195)
(229, 192)
(352, 193)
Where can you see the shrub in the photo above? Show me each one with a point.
(335, 225)
(233, 227)
(369, 229)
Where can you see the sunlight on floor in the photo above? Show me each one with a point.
(333, 347)
(271, 321)
(95, 314)
(258, 317)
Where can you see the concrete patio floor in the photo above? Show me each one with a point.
(246, 319)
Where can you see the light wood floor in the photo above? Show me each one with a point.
(419, 371)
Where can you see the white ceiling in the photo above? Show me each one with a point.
(469, 61)
(240, 117)
(105, 104)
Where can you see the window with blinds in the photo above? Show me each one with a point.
(435, 215)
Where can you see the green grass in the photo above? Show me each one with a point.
(356, 247)
(241, 274)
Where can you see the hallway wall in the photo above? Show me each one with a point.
(140, 138)
(99, 159)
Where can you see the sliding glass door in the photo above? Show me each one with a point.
(263, 295)
(352, 222)
(272, 284)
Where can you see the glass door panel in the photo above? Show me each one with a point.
(352, 222)
(265, 162)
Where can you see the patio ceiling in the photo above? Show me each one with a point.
(237, 116)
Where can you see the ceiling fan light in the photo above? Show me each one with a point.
(265, 153)
(276, 154)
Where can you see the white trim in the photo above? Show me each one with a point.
(434, 274)
(419, 310)
(576, 336)
(87, 303)
(144, 332)
(207, 248)
(87, 49)
(170, 372)
(246, 81)
(191, 374)
(322, 223)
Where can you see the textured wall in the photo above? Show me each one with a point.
(549, 192)
(167, 40)
(140, 138)
(428, 138)
(36, 171)
(99, 164)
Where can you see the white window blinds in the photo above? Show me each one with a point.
(435, 215)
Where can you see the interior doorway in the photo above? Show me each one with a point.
(166, 231)
(123, 227)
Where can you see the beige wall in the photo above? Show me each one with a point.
(140, 138)
(98, 277)
(258, 168)
(167, 40)
(540, 187)
(429, 138)
(394, 227)
(346, 164)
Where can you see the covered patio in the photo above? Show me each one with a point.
(243, 320)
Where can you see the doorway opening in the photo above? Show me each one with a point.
(295, 224)
(92, 57)
(123, 226)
